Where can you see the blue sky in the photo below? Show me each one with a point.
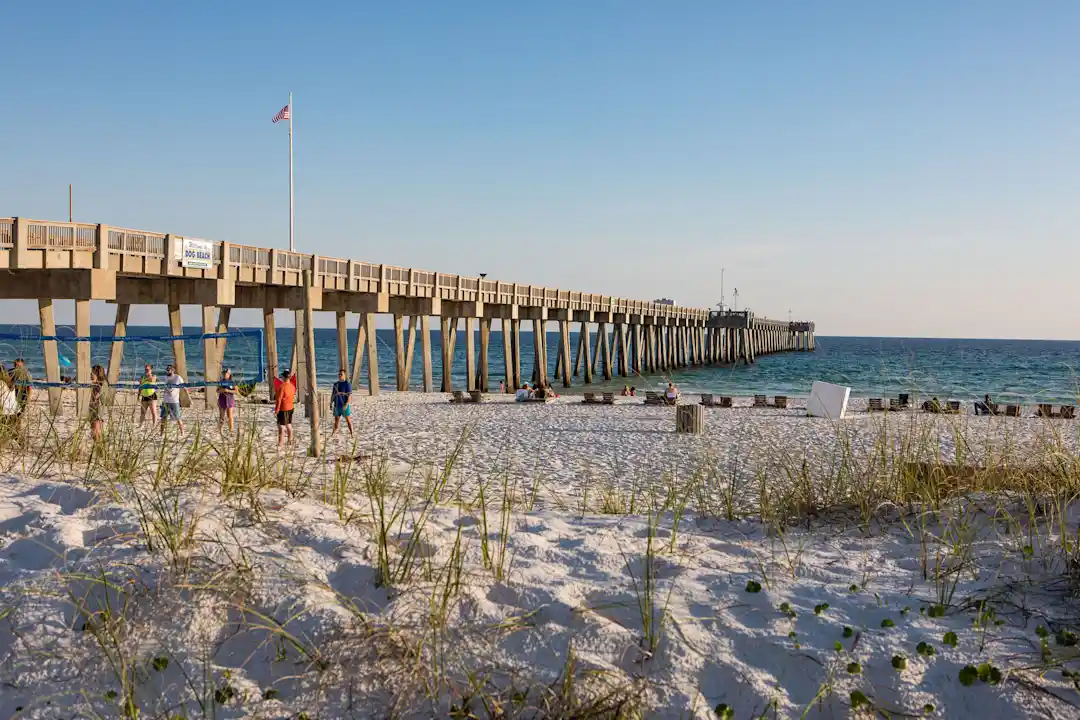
(882, 168)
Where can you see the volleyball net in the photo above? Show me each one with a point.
(240, 351)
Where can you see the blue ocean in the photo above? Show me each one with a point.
(1007, 369)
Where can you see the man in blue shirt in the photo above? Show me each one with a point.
(340, 400)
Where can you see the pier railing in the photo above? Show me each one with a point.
(47, 244)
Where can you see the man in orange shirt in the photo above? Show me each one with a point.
(285, 400)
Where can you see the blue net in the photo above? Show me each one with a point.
(243, 355)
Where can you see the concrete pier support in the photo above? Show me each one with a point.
(358, 352)
(485, 339)
(446, 331)
(399, 354)
(470, 354)
(508, 356)
(223, 316)
(176, 328)
(410, 349)
(372, 354)
(270, 339)
(540, 351)
(82, 356)
(564, 346)
(585, 342)
(116, 352)
(605, 350)
(516, 341)
(49, 351)
(622, 366)
(425, 350)
(342, 341)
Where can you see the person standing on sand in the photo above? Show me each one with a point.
(284, 401)
(226, 400)
(96, 411)
(148, 399)
(170, 399)
(342, 392)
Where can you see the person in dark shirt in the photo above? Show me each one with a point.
(340, 399)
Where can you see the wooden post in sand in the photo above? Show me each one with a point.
(49, 351)
(689, 419)
(315, 450)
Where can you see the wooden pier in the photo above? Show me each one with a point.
(49, 261)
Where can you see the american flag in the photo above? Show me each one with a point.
(283, 115)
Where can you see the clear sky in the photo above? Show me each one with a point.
(882, 168)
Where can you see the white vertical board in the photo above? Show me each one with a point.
(828, 401)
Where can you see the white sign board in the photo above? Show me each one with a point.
(197, 254)
(828, 401)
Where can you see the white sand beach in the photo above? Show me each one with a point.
(546, 560)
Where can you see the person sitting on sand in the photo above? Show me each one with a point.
(625, 391)
(671, 395)
(342, 392)
(284, 401)
(523, 394)
(932, 405)
(633, 391)
(985, 407)
(549, 391)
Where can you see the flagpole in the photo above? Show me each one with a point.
(292, 244)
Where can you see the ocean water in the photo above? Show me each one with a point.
(961, 369)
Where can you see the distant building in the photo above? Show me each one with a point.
(664, 301)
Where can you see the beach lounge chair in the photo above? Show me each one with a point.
(707, 400)
(904, 400)
(591, 399)
(953, 408)
(609, 398)
(1068, 412)
(1045, 410)
(460, 396)
(760, 401)
(896, 406)
(651, 398)
(875, 405)
(780, 402)
(476, 396)
(1012, 411)
(725, 401)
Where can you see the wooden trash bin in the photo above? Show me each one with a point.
(690, 419)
